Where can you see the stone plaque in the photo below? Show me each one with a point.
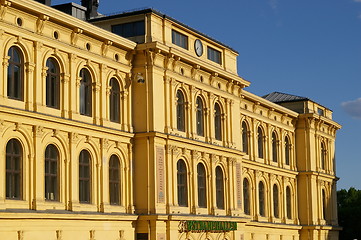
(160, 174)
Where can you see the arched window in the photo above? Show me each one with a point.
(276, 211)
(200, 117)
(51, 173)
(85, 93)
(52, 84)
(84, 177)
(202, 185)
(217, 122)
(114, 180)
(14, 162)
(244, 137)
(219, 188)
(288, 203)
(274, 147)
(15, 76)
(180, 111)
(182, 183)
(261, 199)
(323, 155)
(246, 197)
(287, 150)
(324, 204)
(260, 142)
(114, 101)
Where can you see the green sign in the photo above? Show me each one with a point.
(207, 226)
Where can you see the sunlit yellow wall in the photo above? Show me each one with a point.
(147, 140)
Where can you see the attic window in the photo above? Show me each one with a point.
(320, 112)
(179, 39)
(131, 29)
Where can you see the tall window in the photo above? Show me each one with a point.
(14, 161)
(217, 122)
(324, 204)
(276, 209)
(260, 142)
(84, 177)
(323, 155)
(114, 180)
(114, 101)
(202, 187)
(15, 74)
(51, 173)
(200, 117)
(85, 93)
(246, 197)
(287, 151)
(179, 39)
(288, 203)
(214, 55)
(261, 199)
(219, 188)
(182, 183)
(244, 137)
(274, 147)
(180, 111)
(52, 84)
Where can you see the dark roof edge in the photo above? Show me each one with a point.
(151, 10)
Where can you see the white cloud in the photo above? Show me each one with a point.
(353, 108)
(274, 3)
(357, 0)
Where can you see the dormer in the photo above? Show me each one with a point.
(148, 25)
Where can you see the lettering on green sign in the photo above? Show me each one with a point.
(207, 226)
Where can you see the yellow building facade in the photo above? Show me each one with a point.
(135, 126)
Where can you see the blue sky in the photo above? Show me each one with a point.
(310, 48)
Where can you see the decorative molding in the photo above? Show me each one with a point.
(75, 35)
(4, 4)
(40, 23)
(105, 46)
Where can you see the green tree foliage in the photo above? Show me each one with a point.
(349, 213)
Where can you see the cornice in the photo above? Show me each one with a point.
(70, 22)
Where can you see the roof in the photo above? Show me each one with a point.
(151, 10)
(278, 97)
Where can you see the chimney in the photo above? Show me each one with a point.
(92, 8)
(46, 2)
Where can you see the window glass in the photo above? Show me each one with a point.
(219, 188)
(244, 138)
(84, 177)
(274, 148)
(200, 117)
(275, 201)
(217, 122)
(261, 199)
(202, 187)
(182, 183)
(214, 55)
(246, 197)
(179, 39)
(14, 157)
(114, 180)
(287, 151)
(260, 142)
(323, 155)
(180, 111)
(85, 93)
(15, 74)
(51, 173)
(52, 84)
(114, 100)
(288, 203)
(131, 29)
